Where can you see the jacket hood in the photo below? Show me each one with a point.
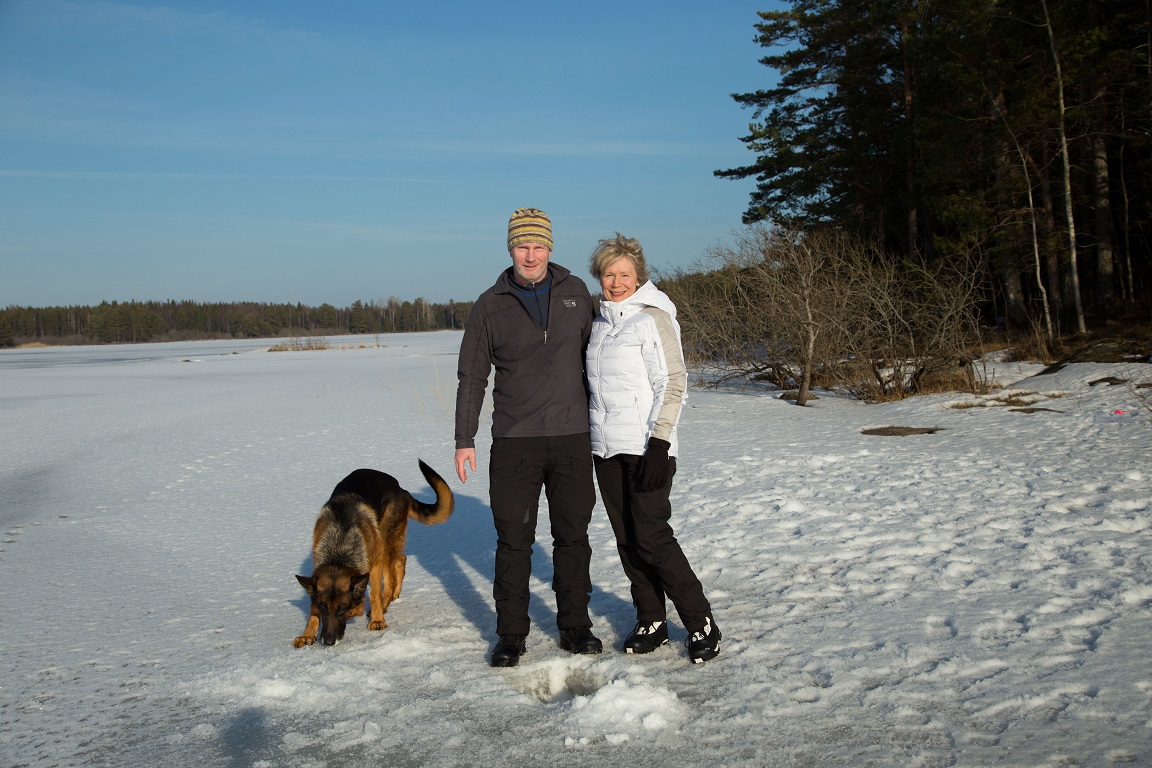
(647, 295)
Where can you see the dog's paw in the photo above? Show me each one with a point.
(303, 640)
(377, 625)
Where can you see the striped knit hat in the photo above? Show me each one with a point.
(529, 225)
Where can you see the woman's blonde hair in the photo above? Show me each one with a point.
(608, 251)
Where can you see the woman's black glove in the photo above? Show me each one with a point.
(652, 469)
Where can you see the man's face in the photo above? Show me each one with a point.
(530, 262)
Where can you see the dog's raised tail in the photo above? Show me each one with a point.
(431, 514)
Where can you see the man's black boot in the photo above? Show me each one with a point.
(508, 651)
(580, 640)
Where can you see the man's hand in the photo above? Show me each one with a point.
(465, 456)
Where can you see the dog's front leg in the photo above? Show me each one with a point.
(310, 630)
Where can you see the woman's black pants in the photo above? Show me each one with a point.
(649, 552)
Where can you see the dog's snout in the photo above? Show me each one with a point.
(332, 631)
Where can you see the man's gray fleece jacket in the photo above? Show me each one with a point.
(540, 389)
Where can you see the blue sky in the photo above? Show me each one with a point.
(292, 151)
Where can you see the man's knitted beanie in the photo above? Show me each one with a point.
(529, 225)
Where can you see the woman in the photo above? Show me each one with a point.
(637, 381)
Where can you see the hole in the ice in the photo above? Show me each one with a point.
(555, 684)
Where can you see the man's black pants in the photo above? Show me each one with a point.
(519, 468)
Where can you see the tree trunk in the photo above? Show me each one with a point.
(1061, 293)
(1025, 163)
(1067, 168)
(1102, 206)
(910, 161)
(1105, 256)
(1014, 309)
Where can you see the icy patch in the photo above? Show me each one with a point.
(275, 689)
(557, 681)
(1138, 596)
(623, 709)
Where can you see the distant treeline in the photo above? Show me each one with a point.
(141, 321)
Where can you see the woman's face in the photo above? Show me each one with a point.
(618, 281)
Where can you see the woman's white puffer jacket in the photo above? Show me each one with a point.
(636, 375)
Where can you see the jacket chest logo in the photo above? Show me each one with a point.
(570, 303)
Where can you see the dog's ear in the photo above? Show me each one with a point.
(309, 583)
(359, 584)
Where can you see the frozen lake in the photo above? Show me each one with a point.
(978, 596)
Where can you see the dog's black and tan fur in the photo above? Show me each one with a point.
(358, 542)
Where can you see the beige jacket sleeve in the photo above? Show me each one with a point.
(670, 366)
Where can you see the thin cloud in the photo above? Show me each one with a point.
(128, 175)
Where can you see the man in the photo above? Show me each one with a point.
(533, 326)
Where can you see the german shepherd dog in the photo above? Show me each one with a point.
(358, 542)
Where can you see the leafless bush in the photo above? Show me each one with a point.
(914, 324)
(297, 344)
(1143, 394)
(806, 308)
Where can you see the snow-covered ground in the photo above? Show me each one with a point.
(978, 596)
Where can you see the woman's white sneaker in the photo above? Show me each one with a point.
(646, 637)
(705, 644)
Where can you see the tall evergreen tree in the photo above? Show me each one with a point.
(939, 129)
